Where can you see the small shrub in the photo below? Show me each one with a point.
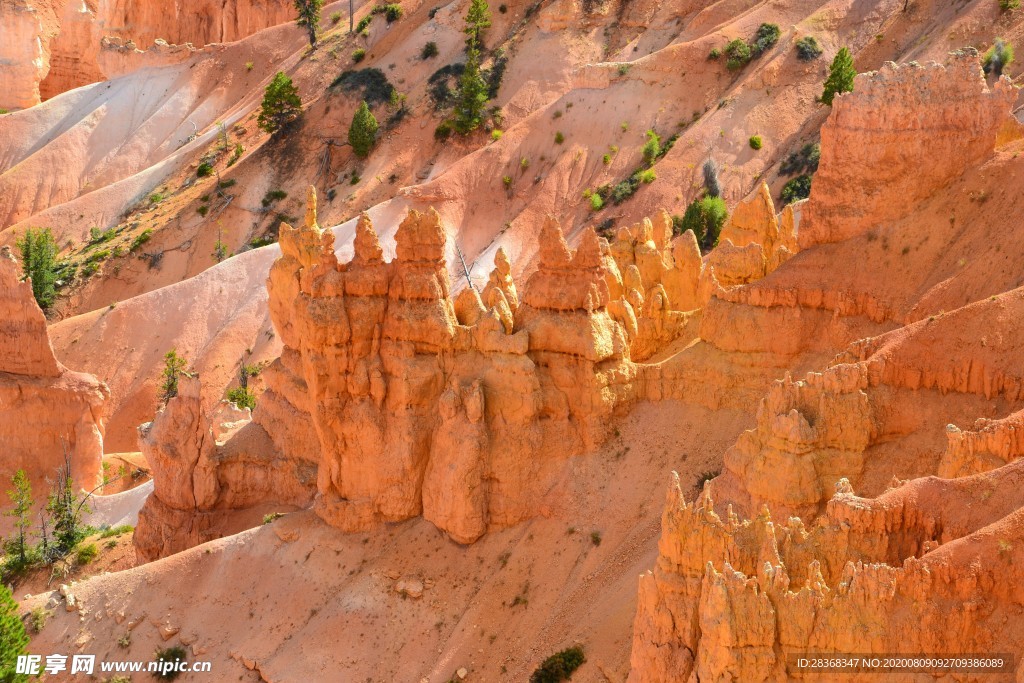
(335, 17)
(268, 519)
(807, 49)
(596, 202)
(40, 615)
(559, 138)
(203, 210)
(652, 148)
(242, 397)
(169, 659)
(804, 161)
(496, 134)
(715, 54)
(236, 154)
(156, 198)
(225, 184)
(506, 181)
(705, 217)
(755, 142)
(765, 38)
(1007, 5)
(503, 8)
(595, 537)
(125, 641)
(559, 666)
(392, 12)
(429, 51)
(204, 169)
(249, 66)
(998, 57)
(364, 24)
(647, 176)
(796, 189)
(117, 530)
(355, 178)
(443, 131)
(358, 55)
(272, 196)
(86, 554)
(606, 159)
(737, 53)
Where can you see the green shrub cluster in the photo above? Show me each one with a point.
(807, 49)
(559, 666)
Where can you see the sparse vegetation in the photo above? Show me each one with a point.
(39, 617)
(1007, 5)
(840, 76)
(174, 368)
(705, 217)
(309, 17)
(796, 189)
(706, 476)
(204, 170)
(267, 519)
(559, 138)
(86, 554)
(392, 12)
(652, 148)
(595, 537)
(559, 666)
(646, 176)
(765, 38)
(358, 55)
(755, 142)
(281, 104)
(804, 161)
(997, 58)
(714, 54)
(429, 51)
(169, 657)
(596, 202)
(807, 49)
(38, 250)
(711, 185)
(273, 196)
(737, 54)
(140, 240)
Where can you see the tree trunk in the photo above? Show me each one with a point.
(351, 16)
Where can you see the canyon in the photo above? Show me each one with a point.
(491, 417)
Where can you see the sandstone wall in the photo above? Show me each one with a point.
(46, 410)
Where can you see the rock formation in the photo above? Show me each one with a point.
(206, 467)
(51, 46)
(380, 346)
(933, 111)
(46, 410)
(736, 596)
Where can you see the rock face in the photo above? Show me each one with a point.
(417, 411)
(400, 401)
(204, 467)
(51, 46)
(894, 118)
(45, 409)
(734, 595)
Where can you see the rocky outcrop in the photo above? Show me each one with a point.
(46, 410)
(878, 135)
(51, 46)
(424, 405)
(734, 599)
(205, 468)
(990, 444)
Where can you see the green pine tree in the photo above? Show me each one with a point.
(174, 367)
(840, 76)
(21, 497)
(309, 16)
(281, 103)
(478, 18)
(362, 133)
(472, 95)
(39, 261)
(13, 638)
